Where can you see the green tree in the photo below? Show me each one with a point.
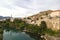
(43, 27)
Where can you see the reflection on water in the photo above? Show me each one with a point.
(9, 34)
(12, 35)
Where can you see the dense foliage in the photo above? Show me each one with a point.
(23, 26)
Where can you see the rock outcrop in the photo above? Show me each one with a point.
(52, 19)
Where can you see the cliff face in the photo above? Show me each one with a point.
(52, 19)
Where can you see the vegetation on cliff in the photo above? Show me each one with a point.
(23, 26)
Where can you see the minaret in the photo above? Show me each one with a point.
(11, 19)
(11, 15)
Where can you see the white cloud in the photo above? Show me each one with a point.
(4, 11)
(7, 8)
(21, 8)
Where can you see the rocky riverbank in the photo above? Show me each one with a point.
(48, 37)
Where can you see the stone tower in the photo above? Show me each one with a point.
(11, 18)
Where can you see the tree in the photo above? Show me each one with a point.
(43, 27)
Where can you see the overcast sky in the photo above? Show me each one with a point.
(23, 8)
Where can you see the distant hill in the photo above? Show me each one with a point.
(2, 17)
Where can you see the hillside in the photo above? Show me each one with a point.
(51, 17)
(46, 13)
(2, 17)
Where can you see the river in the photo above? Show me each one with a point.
(12, 35)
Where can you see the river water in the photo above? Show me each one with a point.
(14, 35)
